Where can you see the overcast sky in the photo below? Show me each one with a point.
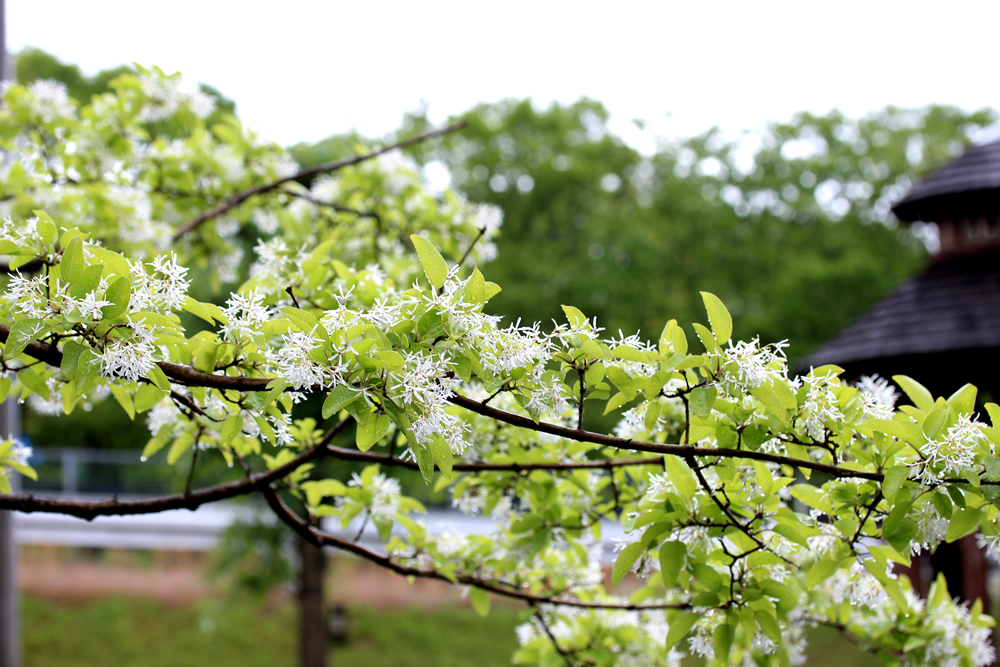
(300, 71)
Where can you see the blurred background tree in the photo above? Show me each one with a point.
(789, 225)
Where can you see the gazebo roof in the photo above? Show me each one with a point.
(954, 305)
(968, 186)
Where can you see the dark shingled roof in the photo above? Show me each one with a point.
(968, 186)
(954, 305)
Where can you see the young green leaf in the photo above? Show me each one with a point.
(72, 264)
(626, 559)
(680, 627)
(435, 268)
(719, 317)
(22, 333)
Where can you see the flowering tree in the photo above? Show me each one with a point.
(756, 505)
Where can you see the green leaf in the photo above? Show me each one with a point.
(372, 431)
(22, 332)
(72, 264)
(894, 478)
(769, 625)
(480, 600)
(963, 522)
(124, 399)
(701, 401)
(626, 559)
(425, 458)
(147, 396)
(119, 293)
(155, 444)
(88, 282)
(47, 228)
(964, 400)
(707, 338)
(159, 378)
(719, 317)
(672, 557)
(198, 309)
(707, 576)
(994, 411)
(71, 356)
(475, 288)
(899, 530)
(575, 317)
(303, 320)
(934, 422)
(442, 455)
(680, 476)
(992, 464)
(916, 391)
(435, 268)
(32, 381)
(770, 400)
(650, 418)
(722, 640)
(338, 397)
(116, 264)
(820, 572)
(680, 627)
(181, 445)
(232, 427)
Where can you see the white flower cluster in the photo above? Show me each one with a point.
(165, 95)
(878, 396)
(294, 362)
(48, 99)
(953, 454)
(130, 357)
(857, 586)
(750, 364)
(245, 314)
(164, 289)
(385, 495)
(820, 405)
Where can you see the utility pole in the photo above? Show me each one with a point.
(10, 627)
(10, 425)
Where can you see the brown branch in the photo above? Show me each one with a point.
(319, 538)
(325, 168)
(388, 460)
(683, 451)
(186, 375)
(468, 251)
(331, 205)
(89, 509)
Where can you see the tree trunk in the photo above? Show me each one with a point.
(312, 620)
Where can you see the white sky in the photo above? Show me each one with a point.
(300, 71)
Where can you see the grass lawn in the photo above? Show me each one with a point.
(123, 632)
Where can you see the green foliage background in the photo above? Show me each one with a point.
(749, 220)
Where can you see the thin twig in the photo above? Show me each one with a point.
(468, 251)
(325, 168)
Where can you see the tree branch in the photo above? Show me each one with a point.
(325, 168)
(388, 460)
(187, 375)
(89, 509)
(319, 538)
